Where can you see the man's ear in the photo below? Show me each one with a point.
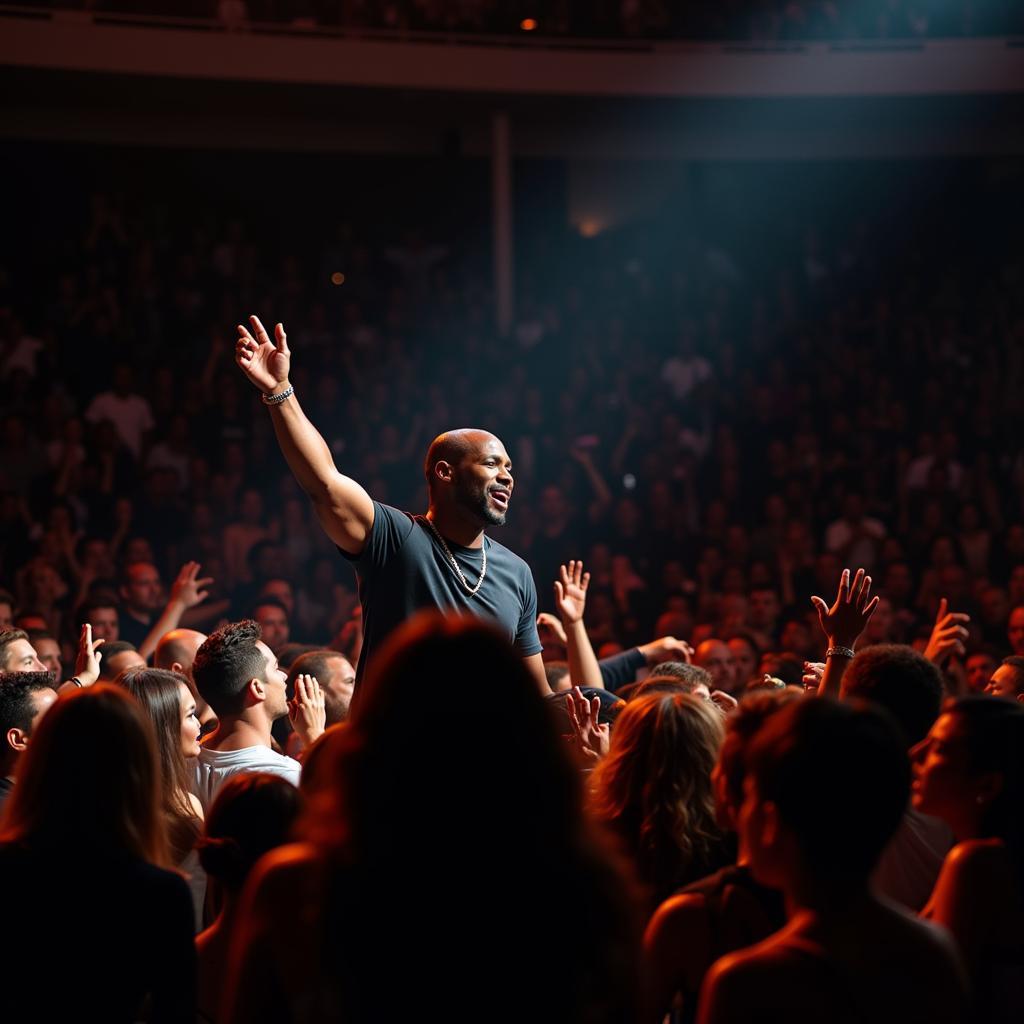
(443, 471)
(256, 692)
(17, 739)
(176, 666)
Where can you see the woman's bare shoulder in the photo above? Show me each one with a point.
(282, 871)
(977, 855)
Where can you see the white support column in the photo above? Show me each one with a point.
(501, 203)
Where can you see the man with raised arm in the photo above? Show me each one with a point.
(407, 562)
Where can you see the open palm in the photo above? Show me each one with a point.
(846, 619)
(571, 592)
(264, 362)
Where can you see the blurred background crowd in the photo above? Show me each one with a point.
(795, 369)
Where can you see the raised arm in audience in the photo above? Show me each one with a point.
(186, 592)
(842, 624)
(344, 509)
(571, 601)
(87, 661)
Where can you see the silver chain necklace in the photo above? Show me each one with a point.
(455, 565)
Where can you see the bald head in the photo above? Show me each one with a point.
(177, 650)
(455, 446)
(469, 471)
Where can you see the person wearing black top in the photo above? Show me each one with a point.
(408, 562)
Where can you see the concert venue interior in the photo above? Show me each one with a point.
(512, 510)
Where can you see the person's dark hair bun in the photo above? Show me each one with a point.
(222, 858)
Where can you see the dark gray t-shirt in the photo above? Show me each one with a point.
(403, 569)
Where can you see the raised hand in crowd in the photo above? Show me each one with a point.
(307, 710)
(571, 602)
(725, 702)
(571, 592)
(87, 660)
(590, 737)
(842, 625)
(187, 591)
(266, 363)
(948, 635)
(666, 648)
(545, 620)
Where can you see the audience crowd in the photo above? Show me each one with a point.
(735, 20)
(769, 796)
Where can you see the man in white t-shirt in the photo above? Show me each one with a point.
(129, 412)
(239, 677)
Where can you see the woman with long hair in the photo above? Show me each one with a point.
(446, 867)
(724, 911)
(97, 925)
(253, 814)
(969, 771)
(653, 792)
(167, 699)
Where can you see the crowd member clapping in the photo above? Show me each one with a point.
(84, 855)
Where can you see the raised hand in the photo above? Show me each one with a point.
(552, 622)
(571, 592)
(306, 710)
(666, 648)
(590, 737)
(846, 619)
(948, 635)
(264, 362)
(187, 590)
(725, 702)
(87, 661)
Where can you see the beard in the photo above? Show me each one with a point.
(478, 503)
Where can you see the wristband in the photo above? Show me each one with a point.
(844, 652)
(78, 682)
(278, 399)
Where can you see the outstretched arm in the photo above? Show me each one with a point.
(571, 600)
(344, 509)
(187, 591)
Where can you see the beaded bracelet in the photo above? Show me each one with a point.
(278, 399)
(845, 652)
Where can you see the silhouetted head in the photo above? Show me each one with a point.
(826, 788)
(90, 781)
(902, 681)
(447, 737)
(253, 813)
